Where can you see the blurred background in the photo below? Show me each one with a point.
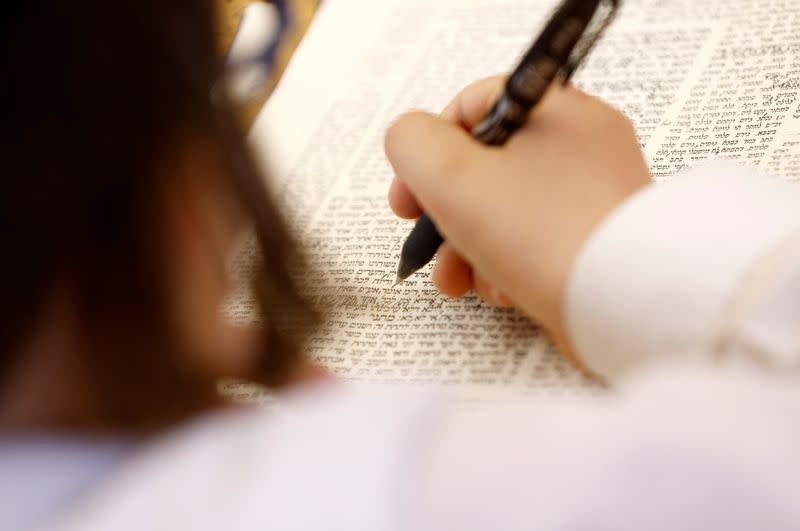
(302, 11)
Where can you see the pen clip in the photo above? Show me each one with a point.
(603, 16)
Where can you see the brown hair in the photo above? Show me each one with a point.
(93, 92)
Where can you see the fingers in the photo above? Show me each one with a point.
(474, 102)
(454, 277)
(465, 110)
(430, 157)
(489, 293)
(432, 161)
(309, 371)
(402, 202)
(451, 274)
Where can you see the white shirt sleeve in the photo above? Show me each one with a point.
(680, 270)
(682, 447)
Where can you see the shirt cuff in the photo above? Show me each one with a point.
(659, 277)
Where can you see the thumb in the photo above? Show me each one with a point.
(434, 158)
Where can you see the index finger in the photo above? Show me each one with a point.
(466, 110)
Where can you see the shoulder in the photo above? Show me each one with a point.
(341, 450)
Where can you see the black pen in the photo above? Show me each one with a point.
(559, 50)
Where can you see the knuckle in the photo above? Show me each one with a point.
(615, 115)
(618, 120)
(607, 115)
(449, 165)
(398, 133)
(466, 210)
(390, 138)
(606, 112)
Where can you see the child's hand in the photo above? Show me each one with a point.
(514, 217)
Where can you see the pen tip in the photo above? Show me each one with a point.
(403, 272)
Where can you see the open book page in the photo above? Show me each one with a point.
(699, 80)
(712, 79)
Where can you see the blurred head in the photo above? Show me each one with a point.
(121, 191)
